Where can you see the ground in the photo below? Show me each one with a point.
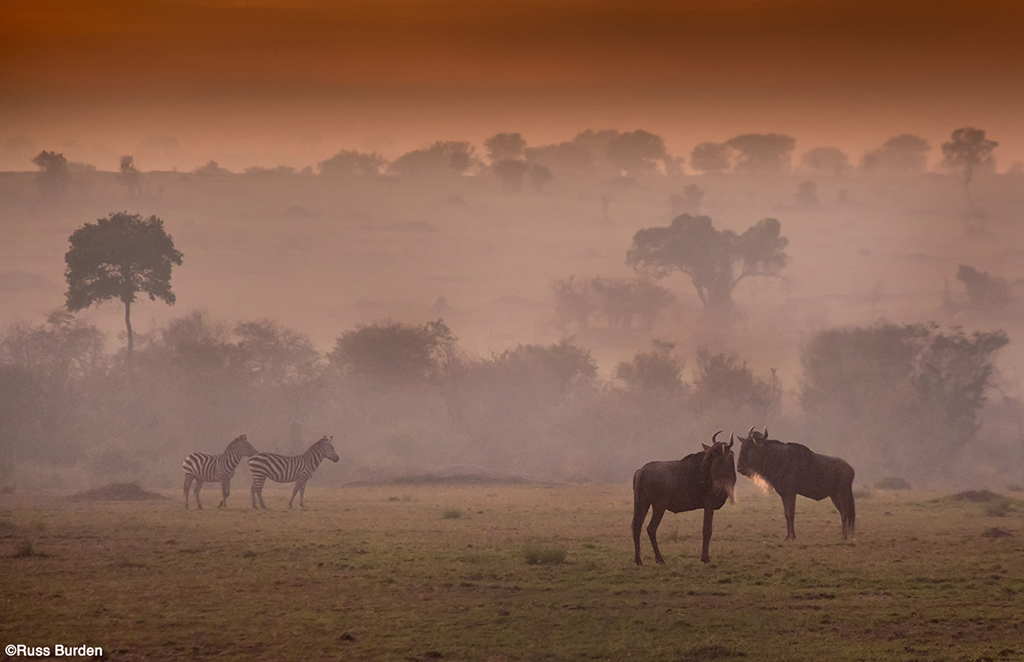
(511, 572)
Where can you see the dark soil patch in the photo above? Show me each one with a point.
(116, 492)
(996, 532)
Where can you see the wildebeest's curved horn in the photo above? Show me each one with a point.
(731, 441)
(715, 435)
(750, 431)
(766, 432)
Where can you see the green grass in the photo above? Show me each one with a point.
(361, 576)
(538, 554)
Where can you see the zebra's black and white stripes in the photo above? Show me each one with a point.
(288, 468)
(202, 467)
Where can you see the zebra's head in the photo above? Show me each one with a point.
(327, 448)
(242, 445)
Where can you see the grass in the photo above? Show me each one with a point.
(360, 576)
(537, 554)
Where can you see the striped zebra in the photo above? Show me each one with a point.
(202, 467)
(289, 468)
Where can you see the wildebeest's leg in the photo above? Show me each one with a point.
(640, 507)
(199, 486)
(789, 507)
(652, 530)
(709, 516)
(844, 502)
(225, 489)
(188, 484)
(839, 501)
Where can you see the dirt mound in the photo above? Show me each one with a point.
(116, 492)
(976, 496)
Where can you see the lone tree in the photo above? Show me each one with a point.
(130, 175)
(116, 258)
(710, 257)
(968, 151)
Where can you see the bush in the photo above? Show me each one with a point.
(1000, 508)
(451, 513)
(544, 555)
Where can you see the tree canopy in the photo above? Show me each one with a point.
(903, 153)
(710, 257)
(118, 257)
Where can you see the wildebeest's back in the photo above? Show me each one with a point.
(676, 483)
(813, 475)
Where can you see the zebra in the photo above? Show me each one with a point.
(289, 468)
(202, 467)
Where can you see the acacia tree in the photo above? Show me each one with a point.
(903, 153)
(762, 152)
(711, 157)
(505, 147)
(54, 174)
(710, 257)
(116, 258)
(638, 152)
(967, 151)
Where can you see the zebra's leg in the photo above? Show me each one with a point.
(302, 495)
(225, 489)
(188, 484)
(199, 486)
(257, 491)
(299, 485)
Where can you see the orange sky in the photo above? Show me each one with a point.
(277, 81)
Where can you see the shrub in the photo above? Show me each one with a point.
(544, 555)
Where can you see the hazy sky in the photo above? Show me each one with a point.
(266, 82)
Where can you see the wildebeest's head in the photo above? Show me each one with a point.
(242, 445)
(752, 449)
(327, 447)
(719, 462)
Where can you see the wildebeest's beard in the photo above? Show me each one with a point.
(723, 475)
(759, 480)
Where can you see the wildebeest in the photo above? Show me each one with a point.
(700, 480)
(791, 469)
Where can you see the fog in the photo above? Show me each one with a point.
(537, 372)
(543, 239)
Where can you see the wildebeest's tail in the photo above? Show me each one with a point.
(853, 510)
(640, 504)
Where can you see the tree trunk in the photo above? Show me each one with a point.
(128, 326)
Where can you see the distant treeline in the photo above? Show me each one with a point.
(604, 153)
(894, 400)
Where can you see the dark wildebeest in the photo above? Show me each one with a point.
(791, 469)
(701, 480)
